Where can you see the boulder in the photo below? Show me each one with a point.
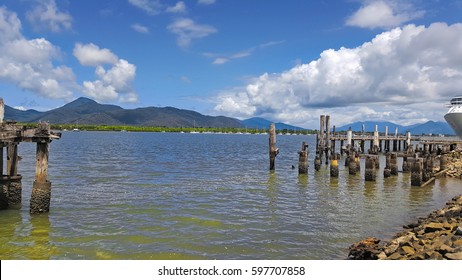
(366, 249)
(432, 227)
(454, 256)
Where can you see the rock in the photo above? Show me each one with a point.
(411, 225)
(366, 249)
(395, 256)
(436, 256)
(432, 227)
(408, 250)
(436, 237)
(390, 249)
(382, 256)
(445, 249)
(454, 256)
(458, 231)
(457, 243)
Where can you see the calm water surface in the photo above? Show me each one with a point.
(203, 196)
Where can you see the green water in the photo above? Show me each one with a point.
(203, 196)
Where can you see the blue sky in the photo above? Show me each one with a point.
(286, 61)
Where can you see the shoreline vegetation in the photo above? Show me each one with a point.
(435, 237)
(205, 130)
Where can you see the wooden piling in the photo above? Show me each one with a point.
(317, 162)
(352, 165)
(322, 137)
(370, 173)
(416, 173)
(303, 159)
(327, 143)
(41, 190)
(427, 172)
(406, 167)
(393, 164)
(387, 169)
(273, 151)
(334, 165)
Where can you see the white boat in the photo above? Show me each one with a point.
(454, 116)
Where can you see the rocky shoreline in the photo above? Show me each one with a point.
(436, 237)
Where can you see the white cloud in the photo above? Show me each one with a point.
(383, 14)
(179, 7)
(92, 55)
(10, 26)
(205, 2)
(222, 59)
(140, 28)
(152, 7)
(403, 71)
(187, 31)
(29, 64)
(47, 15)
(112, 84)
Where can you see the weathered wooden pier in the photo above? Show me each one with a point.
(11, 135)
(418, 160)
(419, 153)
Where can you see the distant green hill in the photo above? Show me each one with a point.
(86, 111)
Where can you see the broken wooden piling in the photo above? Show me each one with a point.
(370, 173)
(273, 151)
(334, 165)
(416, 172)
(303, 159)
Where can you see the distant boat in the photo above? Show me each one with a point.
(76, 129)
(194, 129)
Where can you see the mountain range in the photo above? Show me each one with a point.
(87, 111)
(430, 127)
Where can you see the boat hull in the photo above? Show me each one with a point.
(455, 121)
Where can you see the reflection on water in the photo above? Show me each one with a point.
(196, 196)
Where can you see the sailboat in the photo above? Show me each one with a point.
(194, 128)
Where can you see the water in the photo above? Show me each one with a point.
(203, 196)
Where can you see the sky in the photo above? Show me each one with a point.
(287, 61)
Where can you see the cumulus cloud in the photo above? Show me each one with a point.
(140, 28)
(92, 55)
(46, 15)
(187, 31)
(383, 14)
(180, 7)
(112, 84)
(151, 7)
(403, 71)
(29, 64)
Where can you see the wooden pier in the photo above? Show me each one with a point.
(418, 160)
(11, 135)
(419, 153)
